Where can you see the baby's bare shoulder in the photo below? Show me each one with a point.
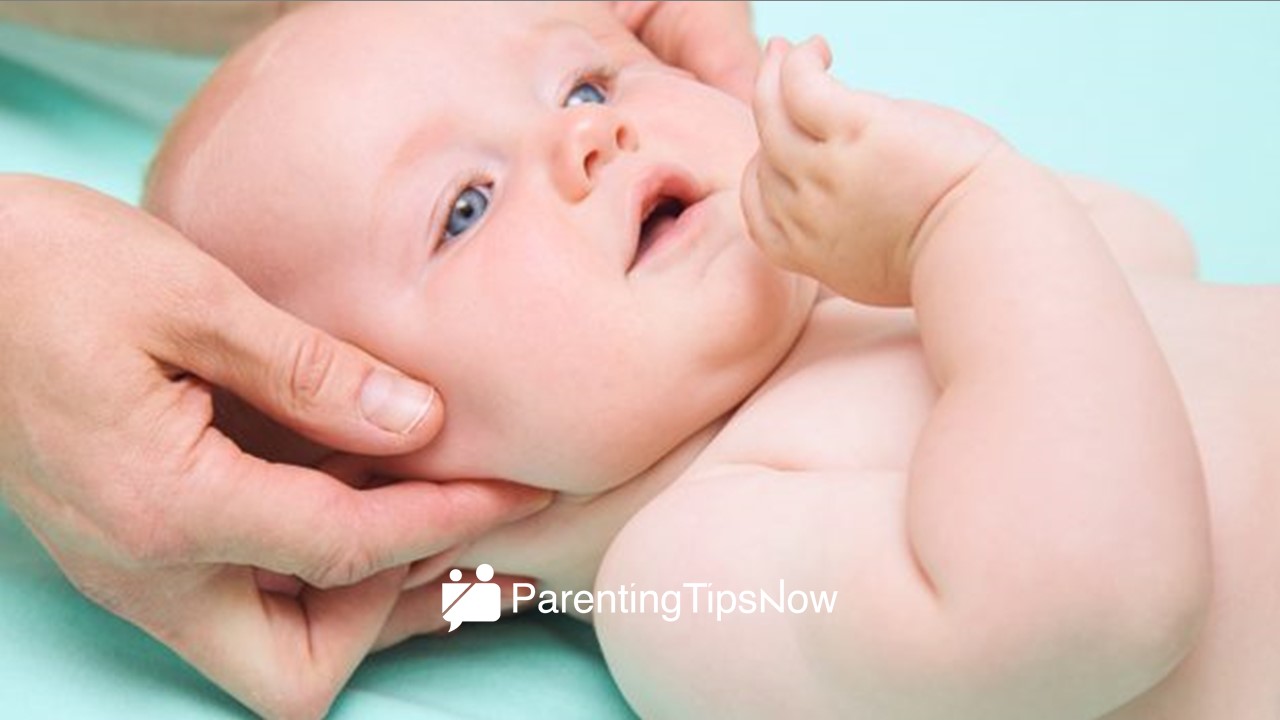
(782, 501)
(776, 573)
(853, 394)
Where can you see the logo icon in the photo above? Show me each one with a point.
(471, 602)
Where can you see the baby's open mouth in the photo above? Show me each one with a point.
(662, 198)
(659, 220)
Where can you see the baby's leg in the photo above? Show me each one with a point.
(1143, 236)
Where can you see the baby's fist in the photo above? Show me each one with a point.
(844, 179)
(799, 190)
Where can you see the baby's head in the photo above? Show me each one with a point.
(516, 202)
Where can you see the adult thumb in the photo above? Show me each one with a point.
(321, 387)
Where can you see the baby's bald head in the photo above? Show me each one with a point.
(221, 175)
(461, 189)
(280, 153)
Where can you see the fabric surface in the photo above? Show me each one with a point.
(1177, 101)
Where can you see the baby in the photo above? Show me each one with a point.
(892, 360)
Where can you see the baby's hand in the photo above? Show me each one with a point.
(845, 180)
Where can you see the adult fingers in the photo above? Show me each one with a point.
(421, 572)
(418, 611)
(285, 657)
(296, 521)
(321, 387)
(713, 40)
(430, 569)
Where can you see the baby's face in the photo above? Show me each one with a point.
(515, 202)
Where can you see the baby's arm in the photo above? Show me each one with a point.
(1049, 557)
(1059, 454)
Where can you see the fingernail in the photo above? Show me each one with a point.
(393, 402)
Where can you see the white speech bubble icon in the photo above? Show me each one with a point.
(470, 602)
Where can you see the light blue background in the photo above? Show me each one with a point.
(1178, 101)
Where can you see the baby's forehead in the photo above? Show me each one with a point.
(328, 36)
(304, 125)
(364, 58)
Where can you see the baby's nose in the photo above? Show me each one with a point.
(588, 137)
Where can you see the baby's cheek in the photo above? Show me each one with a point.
(710, 129)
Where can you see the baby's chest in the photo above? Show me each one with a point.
(854, 394)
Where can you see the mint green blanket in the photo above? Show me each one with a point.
(1177, 101)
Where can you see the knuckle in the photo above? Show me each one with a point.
(824, 180)
(340, 567)
(195, 294)
(151, 545)
(772, 142)
(814, 199)
(776, 201)
(193, 300)
(312, 369)
(347, 558)
(774, 157)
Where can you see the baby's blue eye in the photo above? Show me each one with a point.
(585, 92)
(467, 210)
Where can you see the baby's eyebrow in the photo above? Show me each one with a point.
(433, 133)
(411, 157)
(427, 136)
(585, 38)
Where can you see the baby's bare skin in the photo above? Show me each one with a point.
(750, 501)
(1230, 386)
(1015, 521)
(875, 379)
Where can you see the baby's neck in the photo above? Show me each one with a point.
(562, 546)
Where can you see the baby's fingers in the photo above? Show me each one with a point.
(758, 181)
(782, 144)
(814, 101)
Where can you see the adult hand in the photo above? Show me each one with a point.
(713, 40)
(113, 329)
